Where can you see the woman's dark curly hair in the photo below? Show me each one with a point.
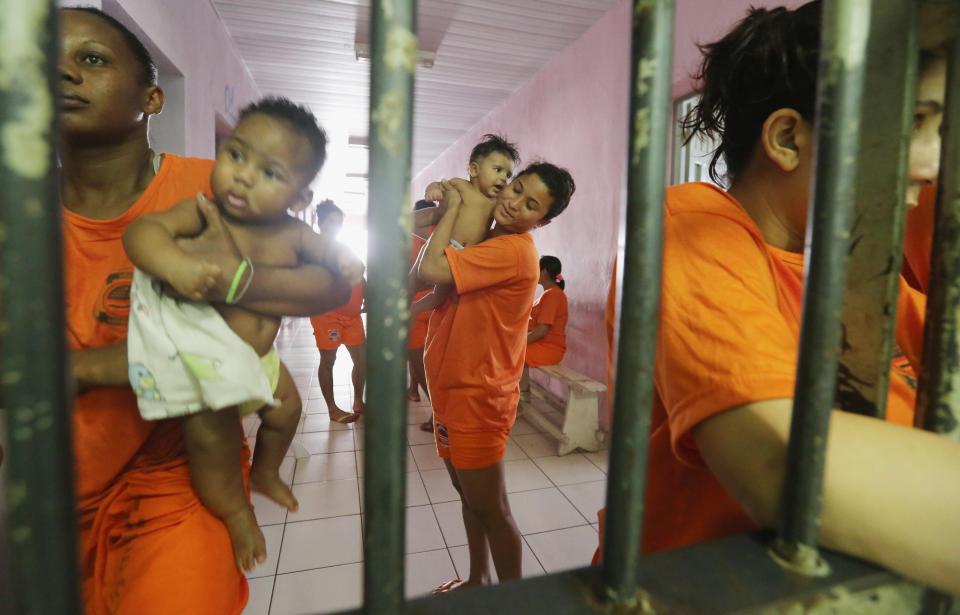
(767, 62)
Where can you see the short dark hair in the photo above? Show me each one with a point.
(494, 143)
(553, 266)
(299, 117)
(768, 61)
(148, 68)
(325, 208)
(557, 180)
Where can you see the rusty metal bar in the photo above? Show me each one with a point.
(938, 403)
(876, 238)
(650, 104)
(33, 385)
(843, 50)
(393, 62)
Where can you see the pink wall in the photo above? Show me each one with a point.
(574, 113)
(190, 39)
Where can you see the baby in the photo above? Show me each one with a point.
(207, 363)
(490, 168)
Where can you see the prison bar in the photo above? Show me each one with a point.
(843, 49)
(938, 403)
(393, 62)
(876, 236)
(641, 255)
(39, 489)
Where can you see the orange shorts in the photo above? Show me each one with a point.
(470, 450)
(540, 354)
(332, 331)
(418, 331)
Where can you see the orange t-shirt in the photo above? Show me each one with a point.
(477, 339)
(918, 240)
(729, 334)
(107, 428)
(551, 309)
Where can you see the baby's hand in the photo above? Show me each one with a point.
(434, 192)
(350, 267)
(193, 278)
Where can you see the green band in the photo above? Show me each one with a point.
(241, 269)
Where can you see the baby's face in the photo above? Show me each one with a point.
(491, 173)
(262, 170)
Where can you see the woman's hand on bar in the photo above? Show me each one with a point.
(891, 494)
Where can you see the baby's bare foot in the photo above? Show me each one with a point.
(249, 545)
(269, 484)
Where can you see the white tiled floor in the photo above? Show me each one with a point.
(315, 555)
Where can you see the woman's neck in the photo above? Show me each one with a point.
(765, 205)
(103, 181)
(547, 285)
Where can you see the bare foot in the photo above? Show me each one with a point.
(340, 416)
(269, 484)
(413, 395)
(427, 425)
(359, 408)
(249, 545)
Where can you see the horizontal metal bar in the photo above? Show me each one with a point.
(731, 575)
(651, 75)
(839, 100)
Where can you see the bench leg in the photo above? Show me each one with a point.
(581, 428)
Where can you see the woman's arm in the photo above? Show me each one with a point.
(434, 267)
(100, 367)
(890, 496)
(539, 332)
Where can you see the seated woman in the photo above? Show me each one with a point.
(547, 330)
(474, 355)
(730, 319)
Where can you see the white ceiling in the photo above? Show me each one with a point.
(486, 49)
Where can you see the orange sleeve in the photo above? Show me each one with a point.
(490, 263)
(549, 306)
(723, 341)
(918, 240)
(911, 311)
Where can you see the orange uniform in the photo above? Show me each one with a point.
(550, 309)
(148, 546)
(343, 325)
(475, 348)
(419, 323)
(918, 240)
(729, 333)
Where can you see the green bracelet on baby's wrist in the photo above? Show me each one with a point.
(232, 295)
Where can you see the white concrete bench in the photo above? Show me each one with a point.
(580, 427)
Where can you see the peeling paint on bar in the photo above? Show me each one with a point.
(33, 386)
(838, 124)
(393, 50)
(639, 294)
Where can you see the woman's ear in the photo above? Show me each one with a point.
(784, 137)
(153, 103)
(303, 200)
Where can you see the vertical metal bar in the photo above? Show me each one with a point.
(393, 62)
(876, 239)
(33, 384)
(651, 77)
(843, 50)
(938, 404)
